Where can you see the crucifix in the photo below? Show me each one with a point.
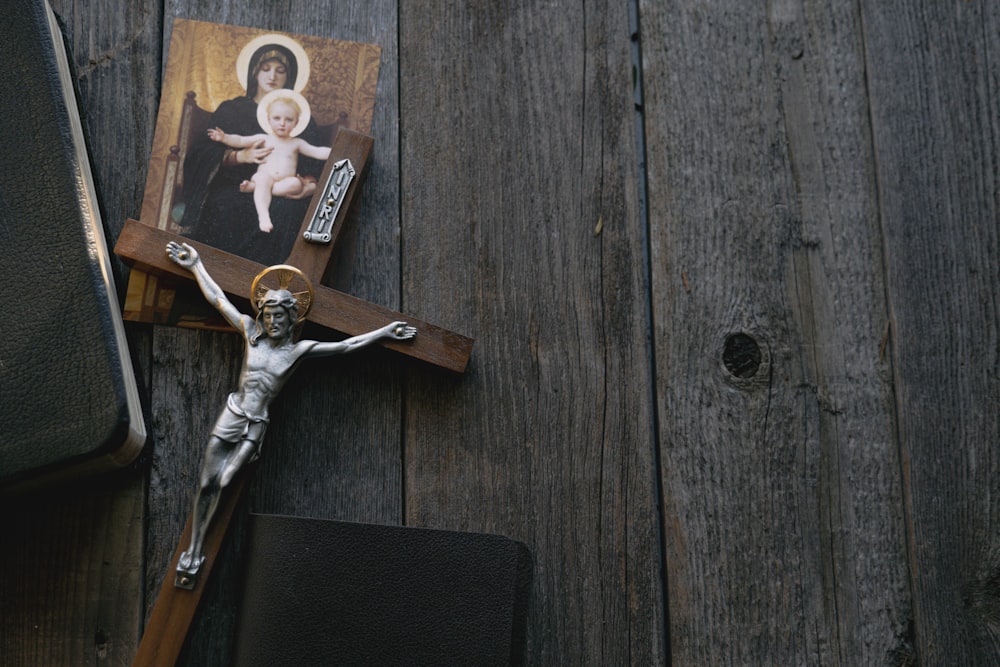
(237, 434)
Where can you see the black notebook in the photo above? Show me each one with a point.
(68, 398)
(321, 592)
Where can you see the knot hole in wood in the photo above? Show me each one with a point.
(741, 355)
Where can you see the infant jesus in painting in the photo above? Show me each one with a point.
(277, 175)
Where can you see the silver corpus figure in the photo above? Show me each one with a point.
(270, 357)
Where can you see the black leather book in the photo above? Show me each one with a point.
(68, 398)
(323, 592)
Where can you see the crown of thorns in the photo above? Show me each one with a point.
(265, 293)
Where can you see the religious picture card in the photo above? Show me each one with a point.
(243, 134)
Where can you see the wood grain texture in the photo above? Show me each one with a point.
(821, 181)
(783, 530)
(933, 81)
(71, 563)
(521, 226)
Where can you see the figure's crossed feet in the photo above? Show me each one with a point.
(247, 186)
(265, 224)
(187, 570)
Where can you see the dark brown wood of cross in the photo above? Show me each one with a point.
(143, 246)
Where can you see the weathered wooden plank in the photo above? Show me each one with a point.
(783, 205)
(70, 592)
(933, 82)
(521, 227)
(783, 505)
(332, 449)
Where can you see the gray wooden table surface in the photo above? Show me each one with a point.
(735, 381)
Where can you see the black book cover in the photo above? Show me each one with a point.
(322, 592)
(68, 399)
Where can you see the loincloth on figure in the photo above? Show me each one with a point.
(234, 425)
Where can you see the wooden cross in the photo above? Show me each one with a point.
(143, 246)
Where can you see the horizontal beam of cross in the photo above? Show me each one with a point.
(144, 246)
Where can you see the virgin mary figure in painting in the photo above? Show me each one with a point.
(216, 211)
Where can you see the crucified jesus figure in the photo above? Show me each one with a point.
(270, 356)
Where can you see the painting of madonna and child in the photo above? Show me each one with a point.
(244, 129)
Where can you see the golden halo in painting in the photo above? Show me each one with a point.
(301, 59)
(288, 278)
(304, 113)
